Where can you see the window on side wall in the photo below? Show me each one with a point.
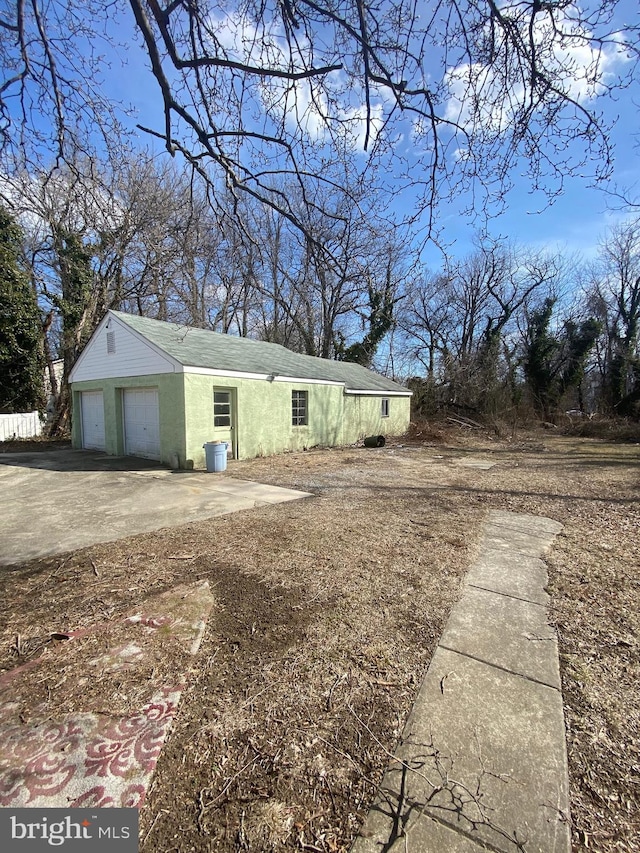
(299, 408)
(384, 409)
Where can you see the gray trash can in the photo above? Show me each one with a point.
(216, 456)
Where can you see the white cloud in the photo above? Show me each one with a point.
(247, 41)
(318, 110)
(357, 121)
(324, 112)
(37, 198)
(480, 95)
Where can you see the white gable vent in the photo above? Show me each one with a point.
(111, 342)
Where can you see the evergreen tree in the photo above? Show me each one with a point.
(555, 364)
(21, 354)
(74, 305)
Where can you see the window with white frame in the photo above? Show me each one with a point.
(299, 408)
(222, 408)
(384, 408)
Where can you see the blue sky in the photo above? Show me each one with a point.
(578, 218)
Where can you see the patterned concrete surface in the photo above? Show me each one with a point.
(97, 756)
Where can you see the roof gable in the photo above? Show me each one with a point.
(116, 349)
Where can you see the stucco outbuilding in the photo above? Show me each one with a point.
(160, 390)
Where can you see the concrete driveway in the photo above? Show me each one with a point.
(67, 499)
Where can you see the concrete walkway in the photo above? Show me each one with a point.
(482, 763)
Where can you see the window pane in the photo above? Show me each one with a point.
(298, 408)
(222, 408)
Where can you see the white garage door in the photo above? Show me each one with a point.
(92, 408)
(141, 422)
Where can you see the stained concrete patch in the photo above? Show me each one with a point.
(482, 763)
(96, 756)
(64, 500)
(475, 462)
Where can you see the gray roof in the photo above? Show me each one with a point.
(203, 348)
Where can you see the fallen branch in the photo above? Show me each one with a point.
(202, 807)
(463, 422)
(54, 572)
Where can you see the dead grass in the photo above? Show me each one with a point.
(608, 429)
(327, 612)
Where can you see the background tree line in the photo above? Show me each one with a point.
(502, 331)
(144, 237)
(509, 332)
(290, 133)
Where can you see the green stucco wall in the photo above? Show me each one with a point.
(170, 404)
(363, 416)
(262, 415)
(263, 425)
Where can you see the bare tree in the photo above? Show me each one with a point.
(330, 289)
(462, 323)
(52, 101)
(426, 322)
(614, 297)
(132, 235)
(256, 90)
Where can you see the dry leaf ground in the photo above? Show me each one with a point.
(327, 612)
